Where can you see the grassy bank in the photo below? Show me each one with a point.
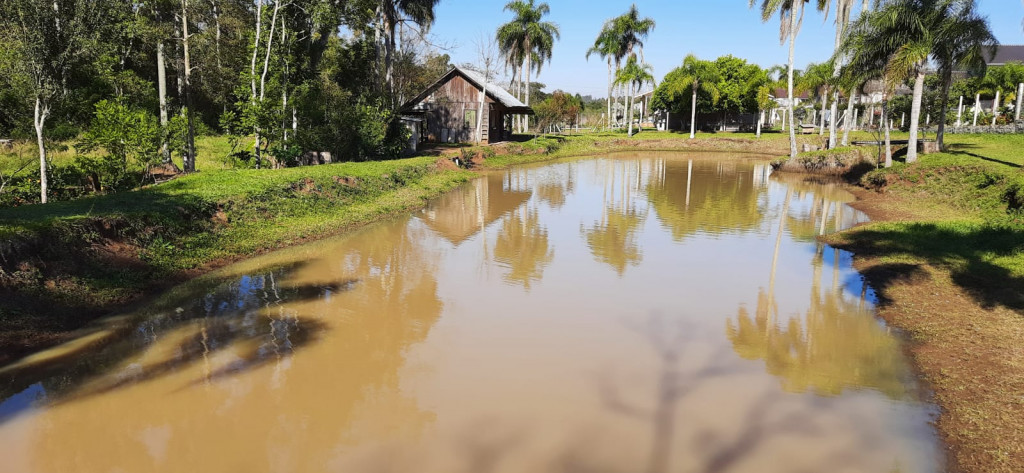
(945, 253)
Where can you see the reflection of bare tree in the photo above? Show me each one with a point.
(668, 339)
(523, 247)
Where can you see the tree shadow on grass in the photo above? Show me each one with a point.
(966, 250)
(962, 149)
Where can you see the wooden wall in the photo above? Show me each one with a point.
(446, 112)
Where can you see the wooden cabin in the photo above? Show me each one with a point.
(447, 110)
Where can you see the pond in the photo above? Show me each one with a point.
(652, 312)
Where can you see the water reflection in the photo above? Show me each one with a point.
(507, 328)
(707, 196)
(613, 239)
(837, 344)
(522, 247)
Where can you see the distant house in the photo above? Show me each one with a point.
(446, 112)
(1007, 53)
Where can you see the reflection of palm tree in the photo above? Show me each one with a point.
(613, 239)
(696, 198)
(523, 247)
(838, 346)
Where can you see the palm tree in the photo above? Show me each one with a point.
(966, 41)
(817, 79)
(697, 75)
(629, 32)
(606, 46)
(391, 12)
(634, 75)
(790, 12)
(528, 37)
(843, 9)
(907, 33)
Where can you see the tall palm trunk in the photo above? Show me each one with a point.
(886, 124)
(824, 103)
(915, 114)
(947, 78)
(792, 52)
(629, 114)
(693, 111)
(529, 57)
(995, 109)
(848, 119)
(977, 108)
(610, 86)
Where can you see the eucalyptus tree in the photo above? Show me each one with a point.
(907, 33)
(606, 47)
(790, 12)
(633, 76)
(56, 38)
(528, 37)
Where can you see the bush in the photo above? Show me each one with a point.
(130, 139)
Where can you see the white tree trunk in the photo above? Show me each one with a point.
(161, 79)
(629, 114)
(887, 124)
(848, 120)
(995, 109)
(977, 108)
(39, 121)
(610, 85)
(189, 160)
(1020, 97)
(760, 119)
(915, 114)
(792, 52)
(693, 112)
(959, 111)
(529, 54)
(824, 103)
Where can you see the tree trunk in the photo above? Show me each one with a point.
(610, 85)
(794, 13)
(529, 54)
(693, 112)
(848, 120)
(161, 79)
(1020, 97)
(960, 112)
(189, 160)
(39, 121)
(629, 114)
(887, 124)
(760, 119)
(940, 134)
(824, 103)
(977, 108)
(995, 109)
(915, 114)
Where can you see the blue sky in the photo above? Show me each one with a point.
(708, 28)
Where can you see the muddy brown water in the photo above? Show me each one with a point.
(626, 313)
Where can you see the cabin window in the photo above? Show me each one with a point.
(470, 116)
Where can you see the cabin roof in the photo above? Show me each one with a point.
(494, 91)
(1008, 53)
